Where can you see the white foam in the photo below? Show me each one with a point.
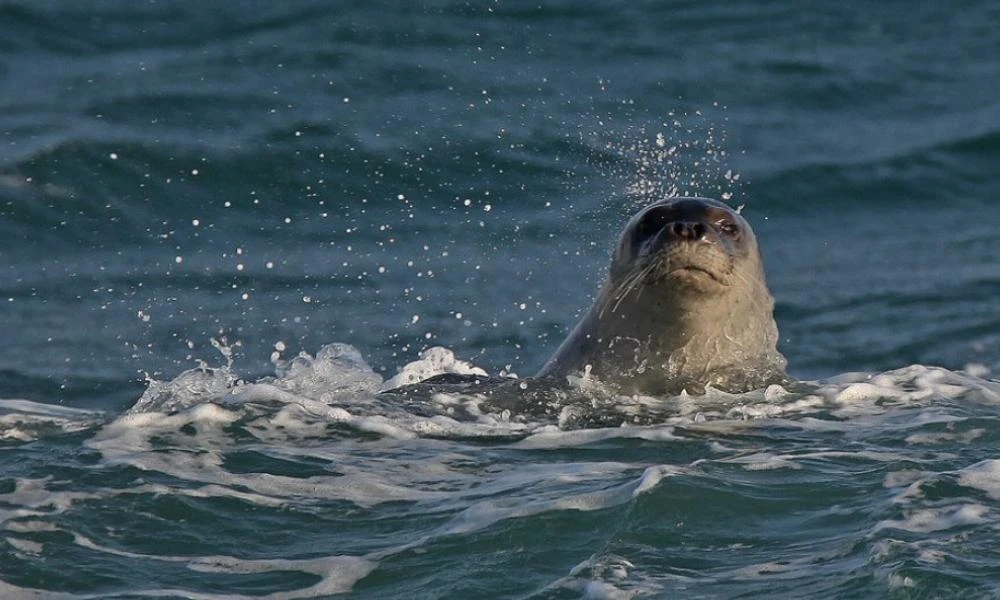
(51, 410)
(24, 420)
(338, 574)
(777, 407)
(280, 412)
(13, 592)
(983, 476)
(552, 438)
(900, 582)
(905, 477)
(199, 458)
(33, 498)
(926, 520)
(433, 361)
(609, 576)
(28, 549)
(932, 555)
(337, 386)
(191, 387)
(188, 428)
(484, 513)
(337, 371)
(853, 393)
(764, 461)
(652, 477)
(964, 437)
(441, 426)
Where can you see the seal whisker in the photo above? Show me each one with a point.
(617, 292)
(745, 279)
(632, 286)
(627, 286)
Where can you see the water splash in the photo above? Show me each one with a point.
(684, 154)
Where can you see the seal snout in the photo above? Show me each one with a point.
(690, 250)
(688, 230)
(685, 234)
(692, 242)
(678, 221)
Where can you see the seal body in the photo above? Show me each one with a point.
(685, 305)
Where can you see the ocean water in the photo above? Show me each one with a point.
(225, 227)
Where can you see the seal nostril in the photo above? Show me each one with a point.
(686, 230)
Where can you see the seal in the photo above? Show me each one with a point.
(685, 306)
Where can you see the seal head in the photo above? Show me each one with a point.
(685, 305)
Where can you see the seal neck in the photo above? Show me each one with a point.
(727, 341)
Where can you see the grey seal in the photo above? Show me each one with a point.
(685, 305)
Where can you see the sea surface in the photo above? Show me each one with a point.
(225, 227)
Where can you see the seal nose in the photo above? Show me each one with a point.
(688, 230)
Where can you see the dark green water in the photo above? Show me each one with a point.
(277, 177)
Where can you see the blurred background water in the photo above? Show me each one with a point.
(273, 177)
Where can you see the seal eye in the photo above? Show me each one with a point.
(728, 227)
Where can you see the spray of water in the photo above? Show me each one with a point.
(683, 154)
